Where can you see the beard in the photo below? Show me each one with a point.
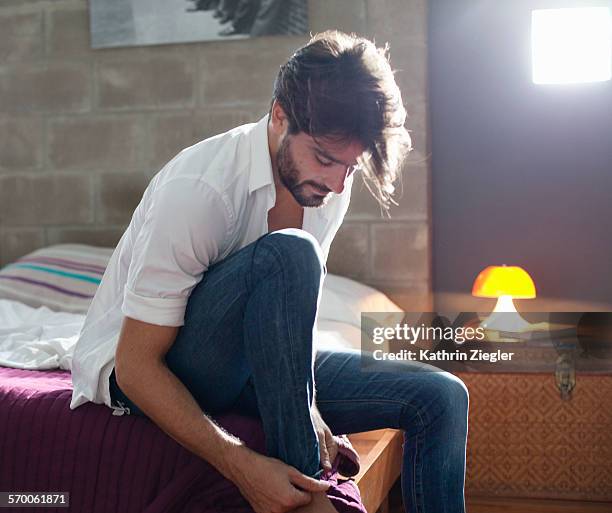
(290, 178)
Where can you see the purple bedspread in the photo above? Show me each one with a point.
(112, 464)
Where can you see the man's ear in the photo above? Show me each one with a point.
(278, 118)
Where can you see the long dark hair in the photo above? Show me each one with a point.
(341, 87)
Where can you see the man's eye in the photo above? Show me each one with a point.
(325, 164)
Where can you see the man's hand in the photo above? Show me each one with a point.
(328, 447)
(271, 486)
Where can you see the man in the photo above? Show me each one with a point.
(209, 302)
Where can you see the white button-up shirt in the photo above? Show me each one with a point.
(208, 202)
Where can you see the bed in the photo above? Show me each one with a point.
(112, 463)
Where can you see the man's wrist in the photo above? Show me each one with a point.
(233, 458)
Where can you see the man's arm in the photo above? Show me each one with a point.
(267, 483)
(143, 375)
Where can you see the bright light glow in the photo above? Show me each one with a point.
(571, 45)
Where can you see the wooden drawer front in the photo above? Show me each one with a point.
(524, 441)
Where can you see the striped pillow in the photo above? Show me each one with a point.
(62, 277)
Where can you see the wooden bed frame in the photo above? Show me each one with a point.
(380, 453)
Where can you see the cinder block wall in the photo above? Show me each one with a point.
(82, 131)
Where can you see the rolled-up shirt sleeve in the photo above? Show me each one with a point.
(185, 227)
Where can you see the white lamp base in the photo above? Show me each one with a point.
(505, 317)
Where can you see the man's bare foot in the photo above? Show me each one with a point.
(319, 504)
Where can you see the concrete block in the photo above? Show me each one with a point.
(15, 243)
(68, 32)
(243, 72)
(412, 196)
(417, 124)
(107, 237)
(394, 19)
(54, 87)
(170, 133)
(21, 36)
(210, 122)
(113, 143)
(118, 196)
(344, 15)
(400, 250)
(21, 143)
(156, 81)
(45, 199)
(409, 60)
(363, 205)
(348, 255)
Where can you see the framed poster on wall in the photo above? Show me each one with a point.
(151, 22)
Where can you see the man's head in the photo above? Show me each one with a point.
(309, 169)
(336, 108)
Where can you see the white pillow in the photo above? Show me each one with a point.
(336, 336)
(344, 300)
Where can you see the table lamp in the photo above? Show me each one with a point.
(504, 283)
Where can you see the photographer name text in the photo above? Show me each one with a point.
(428, 355)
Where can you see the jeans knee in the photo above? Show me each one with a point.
(295, 249)
(460, 394)
(451, 397)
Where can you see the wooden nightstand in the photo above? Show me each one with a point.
(380, 452)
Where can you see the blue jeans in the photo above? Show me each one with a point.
(247, 346)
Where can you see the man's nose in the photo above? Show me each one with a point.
(337, 182)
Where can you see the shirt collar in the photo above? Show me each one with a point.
(261, 165)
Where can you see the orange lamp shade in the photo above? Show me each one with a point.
(497, 281)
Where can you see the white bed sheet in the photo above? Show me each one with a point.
(37, 338)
